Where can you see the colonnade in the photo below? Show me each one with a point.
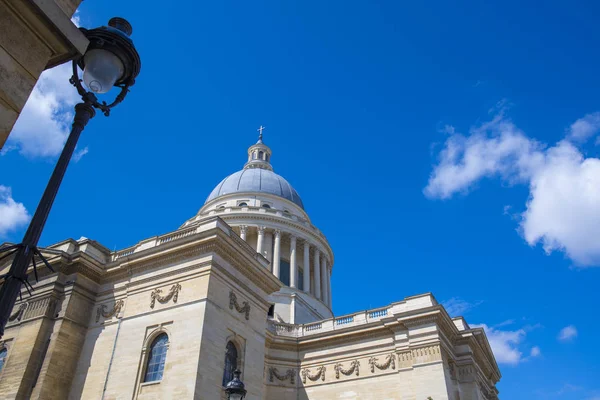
(319, 270)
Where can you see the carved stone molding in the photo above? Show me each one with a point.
(101, 311)
(465, 372)
(290, 373)
(19, 313)
(173, 294)
(354, 369)
(41, 307)
(319, 374)
(390, 361)
(405, 359)
(245, 308)
(452, 369)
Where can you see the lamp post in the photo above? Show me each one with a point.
(110, 60)
(235, 388)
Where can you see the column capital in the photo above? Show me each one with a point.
(277, 233)
(293, 239)
(261, 229)
(243, 228)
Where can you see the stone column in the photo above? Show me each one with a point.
(317, 274)
(329, 286)
(276, 252)
(324, 294)
(260, 240)
(306, 267)
(243, 231)
(293, 264)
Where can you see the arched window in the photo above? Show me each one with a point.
(242, 204)
(266, 205)
(3, 354)
(156, 359)
(260, 155)
(254, 155)
(231, 360)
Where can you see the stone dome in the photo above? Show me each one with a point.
(257, 180)
(257, 177)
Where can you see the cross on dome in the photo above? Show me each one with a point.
(260, 130)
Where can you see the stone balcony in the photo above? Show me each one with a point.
(345, 322)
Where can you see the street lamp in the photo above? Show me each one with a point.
(110, 60)
(235, 388)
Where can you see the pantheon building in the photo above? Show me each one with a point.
(243, 284)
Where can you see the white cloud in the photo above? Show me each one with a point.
(563, 209)
(585, 127)
(80, 153)
(12, 214)
(535, 351)
(457, 306)
(505, 343)
(497, 147)
(44, 123)
(567, 333)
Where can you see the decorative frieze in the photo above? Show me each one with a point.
(465, 372)
(102, 311)
(320, 374)
(354, 369)
(388, 363)
(245, 308)
(405, 359)
(41, 307)
(290, 373)
(452, 369)
(173, 294)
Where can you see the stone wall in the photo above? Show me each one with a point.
(34, 35)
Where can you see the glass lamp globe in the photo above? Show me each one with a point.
(235, 388)
(102, 70)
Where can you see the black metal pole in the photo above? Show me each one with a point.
(23, 256)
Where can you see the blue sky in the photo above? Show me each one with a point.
(449, 147)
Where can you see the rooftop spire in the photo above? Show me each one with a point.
(260, 130)
(259, 154)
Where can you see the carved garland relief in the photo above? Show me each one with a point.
(245, 308)
(319, 374)
(101, 311)
(290, 373)
(390, 361)
(19, 313)
(354, 369)
(173, 294)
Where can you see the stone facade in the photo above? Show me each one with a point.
(34, 35)
(87, 331)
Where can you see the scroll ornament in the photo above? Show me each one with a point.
(320, 374)
(19, 313)
(290, 373)
(173, 294)
(102, 310)
(354, 368)
(245, 308)
(389, 361)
